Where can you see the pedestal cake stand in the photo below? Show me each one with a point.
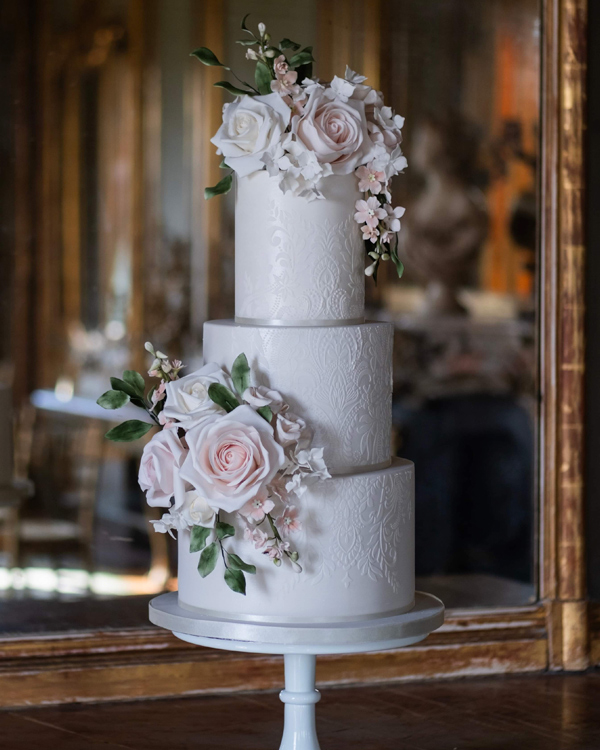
(300, 645)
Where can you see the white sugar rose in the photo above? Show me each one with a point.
(259, 395)
(196, 511)
(187, 399)
(161, 458)
(335, 130)
(232, 459)
(251, 126)
(291, 429)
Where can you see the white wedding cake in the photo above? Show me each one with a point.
(305, 336)
(273, 463)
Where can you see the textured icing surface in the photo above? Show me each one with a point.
(356, 548)
(297, 260)
(339, 379)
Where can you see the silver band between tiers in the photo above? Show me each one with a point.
(361, 469)
(220, 615)
(316, 322)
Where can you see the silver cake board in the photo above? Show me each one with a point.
(300, 644)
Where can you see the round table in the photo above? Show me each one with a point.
(300, 644)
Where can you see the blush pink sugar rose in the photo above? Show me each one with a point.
(336, 131)
(232, 458)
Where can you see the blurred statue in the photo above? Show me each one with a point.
(445, 228)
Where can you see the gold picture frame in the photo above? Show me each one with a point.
(561, 631)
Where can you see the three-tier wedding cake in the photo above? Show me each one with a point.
(300, 322)
(274, 463)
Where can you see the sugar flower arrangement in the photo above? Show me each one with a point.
(301, 130)
(225, 447)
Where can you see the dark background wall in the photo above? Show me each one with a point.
(593, 304)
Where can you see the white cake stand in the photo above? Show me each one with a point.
(300, 645)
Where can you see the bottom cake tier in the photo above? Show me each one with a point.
(356, 549)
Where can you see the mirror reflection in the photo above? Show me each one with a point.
(104, 142)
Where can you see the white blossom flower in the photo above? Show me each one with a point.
(340, 89)
(353, 77)
(392, 220)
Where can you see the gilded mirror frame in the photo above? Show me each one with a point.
(560, 631)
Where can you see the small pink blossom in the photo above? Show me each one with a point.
(370, 233)
(369, 212)
(256, 536)
(165, 422)
(159, 393)
(288, 522)
(274, 552)
(257, 508)
(280, 66)
(286, 85)
(370, 179)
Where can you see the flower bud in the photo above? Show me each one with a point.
(261, 29)
(385, 256)
(267, 37)
(160, 355)
(148, 347)
(270, 52)
(276, 562)
(155, 365)
(293, 556)
(370, 270)
(251, 55)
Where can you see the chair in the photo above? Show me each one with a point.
(64, 457)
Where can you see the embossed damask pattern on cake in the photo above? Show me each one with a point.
(327, 257)
(338, 378)
(357, 526)
(304, 261)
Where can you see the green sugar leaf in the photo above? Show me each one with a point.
(288, 44)
(233, 90)
(301, 58)
(113, 400)
(236, 581)
(240, 373)
(263, 78)
(198, 537)
(222, 187)
(223, 397)
(236, 562)
(224, 530)
(208, 58)
(136, 381)
(120, 385)
(128, 431)
(266, 413)
(208, 559)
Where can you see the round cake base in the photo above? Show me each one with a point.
(300, 645)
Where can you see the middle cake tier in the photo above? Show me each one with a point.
(338, 378)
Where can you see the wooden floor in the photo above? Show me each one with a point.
(529, 713)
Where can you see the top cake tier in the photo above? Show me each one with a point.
(298, 262)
